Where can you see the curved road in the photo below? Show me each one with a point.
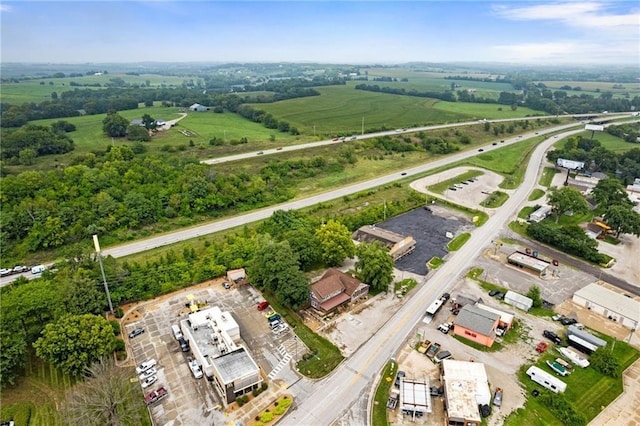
(329, 399)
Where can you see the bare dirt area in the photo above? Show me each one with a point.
(470, 195)
(626, 254)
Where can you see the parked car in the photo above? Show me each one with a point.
(445, 327)
(552, 336)
(5, 271)
(226, 285)
(136, 332)
(494, 292)
(400, 375)
(184, 345)
(568, 321)
(557, 317)
(19, 268)
(150, 363)
(263, 305)
(442, 355)
(195, 369)
(497, 398)
(149, 381)
(155, 396)
(500, 295)
(145, 374)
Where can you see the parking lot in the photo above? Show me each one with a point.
(194, 401)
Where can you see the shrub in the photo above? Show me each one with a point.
(266, 417)
(116, 326)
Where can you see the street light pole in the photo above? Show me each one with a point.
(96, 244)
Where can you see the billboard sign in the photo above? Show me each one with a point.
(594, 127)
(570, 164)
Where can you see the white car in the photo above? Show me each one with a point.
(149, 381)
(195, 369)
(150, 372)
(5, 271)
(282, 328)
(150, 363)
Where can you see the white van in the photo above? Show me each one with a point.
(176, 332)
(38, 269)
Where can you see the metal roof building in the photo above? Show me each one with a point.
(518, 300)
(465, 387)
(415, 395)
(523, 260)
(610, 304)
(477, 319)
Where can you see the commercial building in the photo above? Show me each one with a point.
(610, 304)
(398, 245)
(477, 324)
(465, 389)
(335, 288)
(214, 337)
(531, 263)
(506, 319)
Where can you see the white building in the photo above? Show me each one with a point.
(610, 304)
(465, 388)
(213, 336)
(542, 213)
(415, 396)
(518, 300)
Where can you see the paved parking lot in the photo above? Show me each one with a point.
(191, 401)
(428, 228)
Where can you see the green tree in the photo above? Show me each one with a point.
(566, 199)
(603, 361)
(73, 342)
(535, 295)
(610, 191)
(335, 242)
(80, 293)
(374, 265)
(106, 397)
(137, 133)
(14, 350)
(149, 122)
(27, 156)
(115, 125)
(623, 220)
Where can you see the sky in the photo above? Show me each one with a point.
(353, 32)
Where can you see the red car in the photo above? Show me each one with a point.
(541, 347)
(335, 139)
(263, 305)
(155, 396)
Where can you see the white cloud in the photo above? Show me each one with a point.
(5, 8)
(533, 52)
(589, 15)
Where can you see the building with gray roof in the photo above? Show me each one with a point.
(477, 324)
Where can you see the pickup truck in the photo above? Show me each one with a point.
(433, 350)
(155, 396)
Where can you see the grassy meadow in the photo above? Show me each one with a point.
(33, 91)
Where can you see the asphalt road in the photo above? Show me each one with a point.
(332, 397)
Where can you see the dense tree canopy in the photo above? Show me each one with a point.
(566, 199)
(43, 140)
(374, 265)
(73, 342)
(335, 242)
(115, 125)
(623, 219)
(608, 192)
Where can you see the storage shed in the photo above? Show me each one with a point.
(518, 300)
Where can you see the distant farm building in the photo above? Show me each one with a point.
(477, 324)
(465, 389)
(519, 301)
(198, 107)
(334, 289)
(526, 261)
(398, 245)
(610, 304)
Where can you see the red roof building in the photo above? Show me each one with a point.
(334, 289)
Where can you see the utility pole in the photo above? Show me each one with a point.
(96, 244)
(363, 124)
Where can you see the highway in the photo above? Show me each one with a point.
(329, 399)
(200, 230)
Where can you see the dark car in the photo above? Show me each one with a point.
(260, 152)
(495, 143)
(500, 295)
(184, 345)
(552, 336)
(398, 377)
(136, 332)
(226, 285)
(494, 292)
(403, 173)
(480, 150)
(568, 321)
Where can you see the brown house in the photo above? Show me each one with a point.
(336, 288)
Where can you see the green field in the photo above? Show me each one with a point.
(33, 91)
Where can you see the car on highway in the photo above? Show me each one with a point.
(495, 143)
(150, 363)
(149, 381)
(335, 139)
(353, 138)
(480, 150)
(20, 268)
(148, 373)
(260, 152)
(403, 174)
(136, 332)
(279, 148)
